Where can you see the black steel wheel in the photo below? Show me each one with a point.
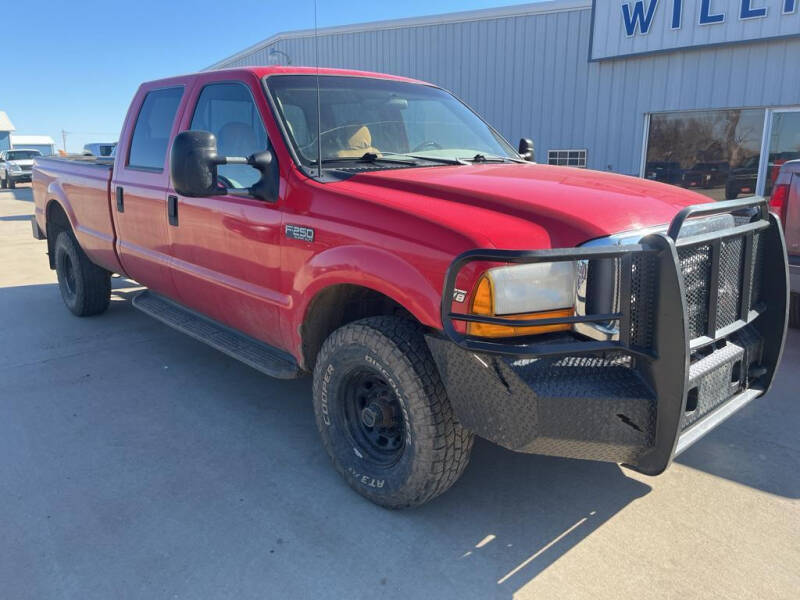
(374, 417)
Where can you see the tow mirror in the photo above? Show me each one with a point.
(526, 149)
(193, 164)
(193, 168)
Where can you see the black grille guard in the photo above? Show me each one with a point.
(666, 359)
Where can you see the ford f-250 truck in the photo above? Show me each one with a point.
(376, 232)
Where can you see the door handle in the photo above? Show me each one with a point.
(120, 199)
(172, 210)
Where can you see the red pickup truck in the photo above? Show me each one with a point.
(374, 231)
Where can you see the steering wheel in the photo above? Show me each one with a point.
(225, 181)
(427, 144)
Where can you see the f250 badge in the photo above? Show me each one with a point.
(296, 232)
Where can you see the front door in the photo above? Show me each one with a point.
(226, 249)
(139, 189)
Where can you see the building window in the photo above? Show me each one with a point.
(714, 152)
(567, 158)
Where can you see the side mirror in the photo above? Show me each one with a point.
(193, 168)
(193, 164)
(526, 149)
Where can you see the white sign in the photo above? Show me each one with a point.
(629, 27)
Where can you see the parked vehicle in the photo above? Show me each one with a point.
(706, 175)
(99, 149)
(435, 284)
(742, 179)
(16, 166)
(665, 172)
(785, 201)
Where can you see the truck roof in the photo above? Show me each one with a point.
(263, 71)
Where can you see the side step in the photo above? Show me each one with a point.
(250, 351)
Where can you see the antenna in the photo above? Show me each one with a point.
(319, 102)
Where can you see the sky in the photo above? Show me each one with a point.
(74, 65)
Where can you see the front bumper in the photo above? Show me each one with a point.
(20, 177)
(702, 325)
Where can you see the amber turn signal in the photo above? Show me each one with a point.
(483, 304)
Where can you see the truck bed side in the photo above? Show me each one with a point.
(82, 188)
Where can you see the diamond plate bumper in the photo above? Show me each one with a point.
(641, 399)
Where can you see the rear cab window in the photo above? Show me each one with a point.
(151, 134)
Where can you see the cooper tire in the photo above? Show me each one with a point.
(85, 287)
(425, 449)
(794, 311)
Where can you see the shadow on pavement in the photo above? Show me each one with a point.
(25, 194)
(759, 446)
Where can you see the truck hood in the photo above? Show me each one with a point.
(528, 206)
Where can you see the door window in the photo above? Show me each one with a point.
(228, 111)
(152, 130)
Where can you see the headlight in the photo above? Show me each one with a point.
(529, 292)
(14, 167)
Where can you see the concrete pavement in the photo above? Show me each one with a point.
(138, 463)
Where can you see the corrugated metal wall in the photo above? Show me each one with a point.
(529, 76)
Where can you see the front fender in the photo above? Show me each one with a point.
(372, 268)
(368, 267)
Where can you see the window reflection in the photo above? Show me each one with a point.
(784, 144)
(713, 152)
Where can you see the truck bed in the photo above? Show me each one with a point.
(82, 184)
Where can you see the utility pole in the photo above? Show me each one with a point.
(64, 139)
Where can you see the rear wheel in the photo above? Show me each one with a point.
(85, 287)
(384, 415)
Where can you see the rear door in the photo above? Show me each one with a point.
(139, 186)
(226, 249)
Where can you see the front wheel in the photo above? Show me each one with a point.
(384, 415)
(4, 181)
(11, 183)
(85, 287)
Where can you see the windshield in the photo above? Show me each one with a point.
(362, 115)
(22, 154)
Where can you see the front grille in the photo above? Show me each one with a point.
(696, 264)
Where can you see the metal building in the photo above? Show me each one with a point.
(699, 93)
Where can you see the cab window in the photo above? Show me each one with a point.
(228, 111)
(153, 127)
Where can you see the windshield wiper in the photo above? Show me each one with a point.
(367, 157)
(491, 158)
(445, 160)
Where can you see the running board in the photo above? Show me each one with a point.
(250, 351)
